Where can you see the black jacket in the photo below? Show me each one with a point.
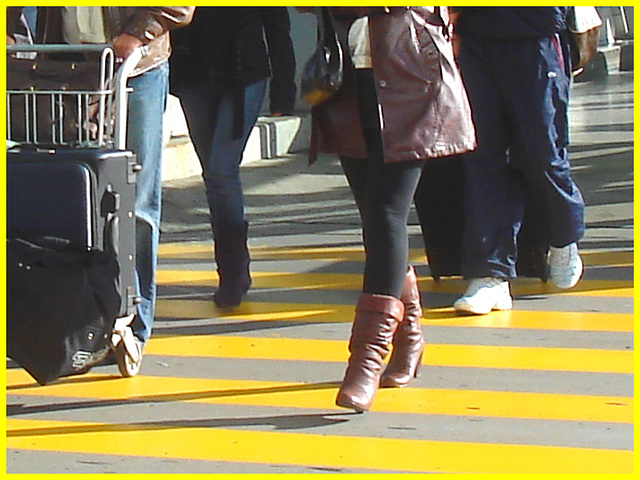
(511, 22)
(227, 44)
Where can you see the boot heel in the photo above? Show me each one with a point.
(416, 372)
(408, 341)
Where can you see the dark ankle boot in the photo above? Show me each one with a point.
(408, 342)
(232, 260)
(376, 319)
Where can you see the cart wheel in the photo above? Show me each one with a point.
(128, 366)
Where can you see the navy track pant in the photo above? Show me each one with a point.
(519, 94)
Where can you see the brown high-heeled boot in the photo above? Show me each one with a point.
(377, 317)
(408, 341)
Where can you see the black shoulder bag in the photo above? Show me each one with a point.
(62, 302)
(322, 73)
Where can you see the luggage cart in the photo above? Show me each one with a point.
(100, 114)
(50, 114)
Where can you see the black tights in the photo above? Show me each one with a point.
(383, 193)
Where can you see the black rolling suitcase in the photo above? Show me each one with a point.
(439, 202)
(84, 197)
(71, 290)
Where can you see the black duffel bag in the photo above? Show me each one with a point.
(62, 303)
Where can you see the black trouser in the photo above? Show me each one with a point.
(384, 194)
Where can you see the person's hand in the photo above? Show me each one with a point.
(455, 44)
(124, 44)
(276, 114)
(455, 40)
(10, 40)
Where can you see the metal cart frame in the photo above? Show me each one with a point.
(101, 127)
(110, 118)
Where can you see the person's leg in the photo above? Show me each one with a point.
(199, 110)
(147, 103)
(541, 139)
(540, 152)
(384, 194)
(222, 170)
(494, 199)
(225, 198)
(494, 194)
(384, 197)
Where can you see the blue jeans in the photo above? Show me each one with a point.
(210, 122)
(519, 94)
(147, 104)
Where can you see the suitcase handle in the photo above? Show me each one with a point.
(120, 84)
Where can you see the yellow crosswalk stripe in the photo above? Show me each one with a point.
(204, 250)
(533, 286)
(531, 319)
(608, 258)
(333, 313)
(480, 356)
(344, 281)
(419, 401)
(197, 442)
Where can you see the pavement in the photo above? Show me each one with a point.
(545, 388)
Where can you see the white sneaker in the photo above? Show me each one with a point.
(483, 295)
(565, 265)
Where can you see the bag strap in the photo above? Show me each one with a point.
(320, 22)
(326, 25)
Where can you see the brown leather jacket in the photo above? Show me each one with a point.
(149, 24)
(425, 110)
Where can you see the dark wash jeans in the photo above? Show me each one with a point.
(210, 122)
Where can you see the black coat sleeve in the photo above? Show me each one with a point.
(282, 91)
(13, 20)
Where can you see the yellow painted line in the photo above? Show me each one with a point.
(534, 319)
(591, 290)
(255, 311)
(195, 441)
(301, 281)
(344, 281)
(199, 250)
(204, 251)
(333, 313)
(419, 401)
(605, 258)
(533, 286)
(181, 249)
(478, 356)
